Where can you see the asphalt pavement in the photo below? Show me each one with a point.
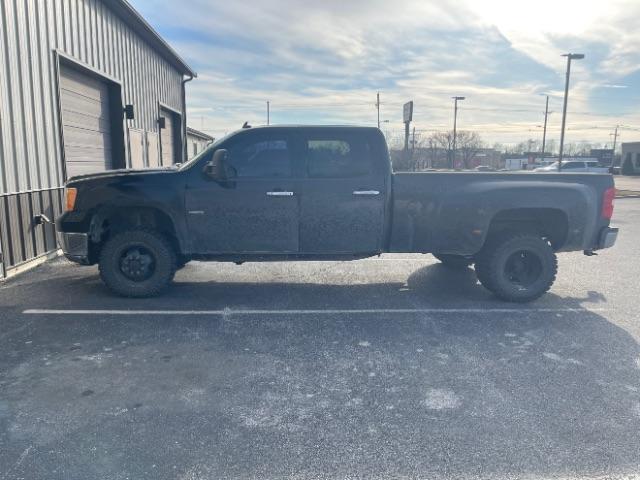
(390, 367)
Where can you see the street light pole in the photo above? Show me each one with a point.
(455, 121)
(570, 56)
(268, 112)
(378, 107)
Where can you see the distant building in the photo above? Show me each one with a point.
(604, 155)
(631, 154)
(196, 142)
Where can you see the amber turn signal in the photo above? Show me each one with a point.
(71, 194)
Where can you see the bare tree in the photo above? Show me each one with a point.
(468, 144)
(442, 141)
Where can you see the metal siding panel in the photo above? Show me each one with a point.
(74, 28)
(48, 230)
(4, 237)
(26, 93)
(38, 230)
(53, 22)
(67, 28)
(26, 223)
(15, 230)
(5, 232)
(45, 139)
(6, 144)
(38, 158)
(11, 90)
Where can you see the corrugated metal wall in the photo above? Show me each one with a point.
(31, 171)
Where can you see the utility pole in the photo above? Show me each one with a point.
(268, 112)
(615, 141)
(455, 121)
(544, 130)
(570, 56)
(413, 142)
(378, 107)
(407, 116)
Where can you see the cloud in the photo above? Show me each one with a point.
(324, 61)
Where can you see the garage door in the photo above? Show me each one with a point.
(86, 124)
(167, 143)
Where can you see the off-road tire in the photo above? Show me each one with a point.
(494, 272)
(164, 259)
(455, 262)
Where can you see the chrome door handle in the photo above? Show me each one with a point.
(366, 192)
(280, 194)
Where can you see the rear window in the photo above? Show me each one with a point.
(338, 157)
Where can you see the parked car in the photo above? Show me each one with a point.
(328, 193)
(575, 166)
(484, 168)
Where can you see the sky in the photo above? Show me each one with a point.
(324, 61)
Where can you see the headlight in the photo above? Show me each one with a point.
(70, 195)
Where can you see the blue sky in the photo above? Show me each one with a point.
(323, 62)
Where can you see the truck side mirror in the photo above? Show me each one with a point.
(217, 168)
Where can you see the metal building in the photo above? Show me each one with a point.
(196, 142)
(86, 85)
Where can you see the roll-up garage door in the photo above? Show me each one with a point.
(86, 125)
(167, 140)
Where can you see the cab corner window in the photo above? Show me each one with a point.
(261, 158)
(335, 158)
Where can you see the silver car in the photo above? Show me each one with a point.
(575, 166)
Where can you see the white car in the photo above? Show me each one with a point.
(575, 166)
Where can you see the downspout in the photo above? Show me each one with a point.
(184, 117)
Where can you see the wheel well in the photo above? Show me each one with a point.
(551, 223)
(110, 221)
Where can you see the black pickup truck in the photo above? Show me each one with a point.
(329, 193)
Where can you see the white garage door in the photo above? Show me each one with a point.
(167, 143)
(86, 124)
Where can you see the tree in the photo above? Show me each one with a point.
(468, 144)
(439, 141)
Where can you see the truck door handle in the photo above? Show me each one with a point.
(280, 194)
(370, 193)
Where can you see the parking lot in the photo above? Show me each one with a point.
(391, 367)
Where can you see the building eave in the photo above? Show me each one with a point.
(199, 134)
(131, 17)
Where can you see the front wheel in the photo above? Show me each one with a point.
(137, 263)
(517, 267)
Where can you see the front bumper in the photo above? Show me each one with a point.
(608, 237)
(75, 246)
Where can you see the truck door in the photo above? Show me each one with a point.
(342, 200)
(255, 212)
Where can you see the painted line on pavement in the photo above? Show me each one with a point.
(229, 311)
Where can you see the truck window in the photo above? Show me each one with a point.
(572, 165)
(261, 158)
(338, 158)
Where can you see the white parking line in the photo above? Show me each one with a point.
(329, 311)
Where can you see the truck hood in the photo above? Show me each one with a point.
(120, 173)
